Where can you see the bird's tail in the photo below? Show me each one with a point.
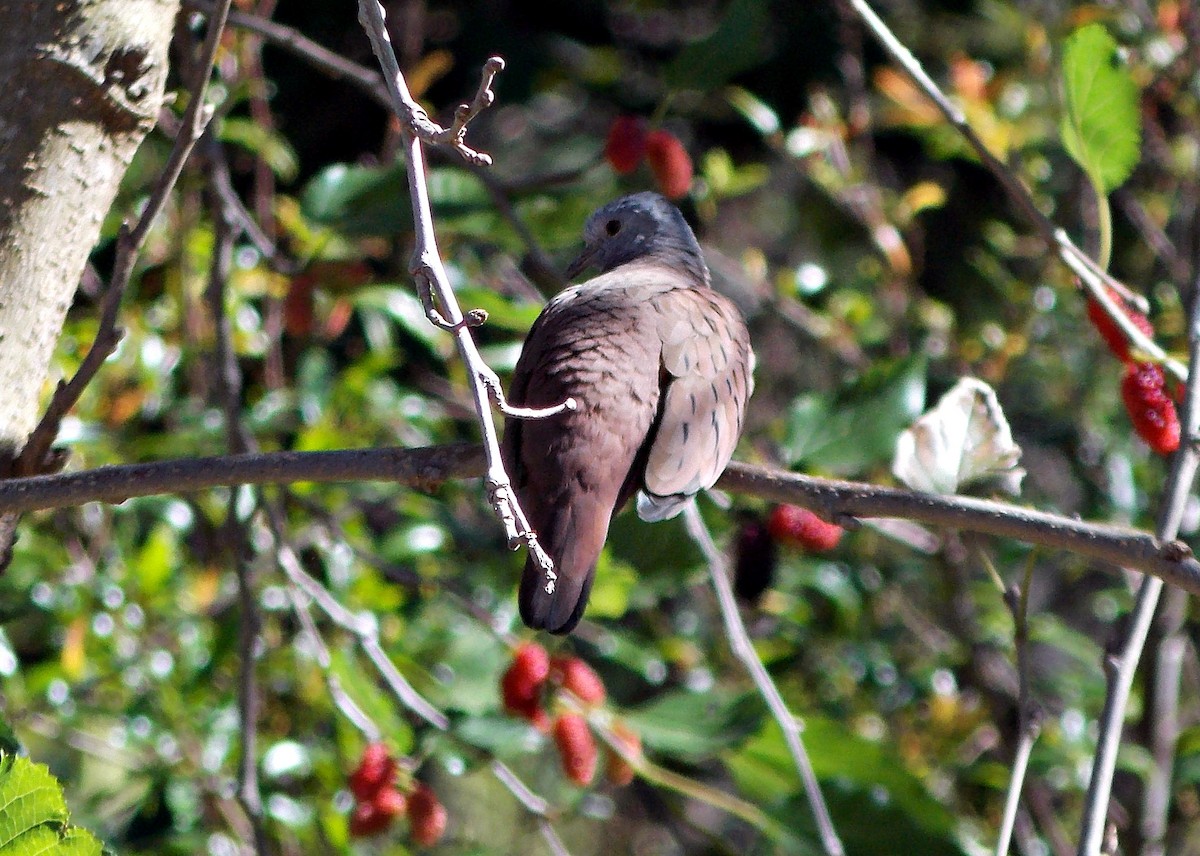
(573, 538)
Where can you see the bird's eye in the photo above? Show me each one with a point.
(612, 227)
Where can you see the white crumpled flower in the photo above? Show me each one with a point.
(964, 439)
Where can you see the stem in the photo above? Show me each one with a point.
(1104, 226)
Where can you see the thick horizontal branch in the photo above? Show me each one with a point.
(1172, 561)
(423, 468)
(427, 467)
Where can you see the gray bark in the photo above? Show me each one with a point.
(83, 84)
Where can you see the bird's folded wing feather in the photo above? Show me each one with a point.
(706, 358)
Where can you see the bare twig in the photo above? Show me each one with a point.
(35, 457)
(239, 439)
(364, 629)
(1028, 718)
(417, 124)
(331, 63)
(370, 82)
(1121, 668)
(1156, 238)
(533, 803)
(341, 699)
(1163, 704)
(743, 649)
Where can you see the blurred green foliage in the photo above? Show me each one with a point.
(876, 262)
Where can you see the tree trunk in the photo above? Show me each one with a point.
(83, 84)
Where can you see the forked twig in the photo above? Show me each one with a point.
(430, 275)
(1028, 716)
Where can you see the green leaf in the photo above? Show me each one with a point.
(696, 725)
(615, 581)
(506, 736)
(846, 433)
(861, 817)
(9, 742)
(739, 43)
(1101, 129)
(373, 200)
(867, 774)
(272, 147)
(156, 559)
(33, 813)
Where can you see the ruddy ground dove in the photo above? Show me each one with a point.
(659, 365)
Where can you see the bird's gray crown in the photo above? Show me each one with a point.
(643, 226)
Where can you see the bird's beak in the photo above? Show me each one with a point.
(581, 262)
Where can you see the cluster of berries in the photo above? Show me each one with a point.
(629, 143)
(1143, 388)
(378, 801)
(789, 525)
(525, 686)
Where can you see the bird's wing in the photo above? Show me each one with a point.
(707, 364)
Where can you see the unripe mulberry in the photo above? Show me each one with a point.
(367, 820)
(376, 770)
(521, 685)
(1116, 340)
(756, 556)
(427, 817)
(618, 770)
(1150, 408)
(626, 144)
(670, 163)
(799, 527)
(390, 802)
(579, 678)
(576, 747)
(298, 305)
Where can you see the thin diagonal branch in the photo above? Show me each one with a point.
(1121, 669)
(534, 804)
(743, 649)
(365, 630)
(34, 457)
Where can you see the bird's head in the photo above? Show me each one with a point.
(643, 226)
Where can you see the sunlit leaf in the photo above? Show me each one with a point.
(33, 814)
(1101, 128)
(272, 147)
(696, 725)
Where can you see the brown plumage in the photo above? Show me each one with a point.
(659, 365)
